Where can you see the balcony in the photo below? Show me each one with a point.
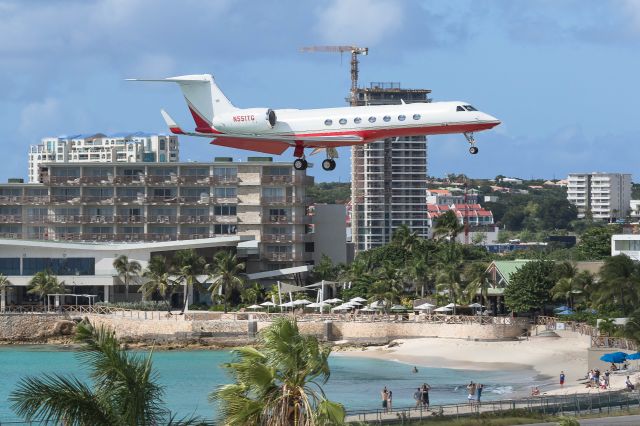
(276, 201)
(61, 180)
(96, 199)
(283, 257)
(277, 219)
(68, 199)
(162, 219)
(129, 180)
(285, 238)
(195, 219)
(10, 218)
(196, 180)
(163, 200)
(224, 180)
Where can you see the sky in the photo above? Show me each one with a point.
(561, 75)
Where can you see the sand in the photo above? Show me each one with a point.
(548, 356)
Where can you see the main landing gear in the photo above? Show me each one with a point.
(328, 164)
(473, 149)
(300, 164)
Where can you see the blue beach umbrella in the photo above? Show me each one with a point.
(561, 308)
(615, 357)
(565, 312)
(634, 356)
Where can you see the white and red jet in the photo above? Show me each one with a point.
(273, 131)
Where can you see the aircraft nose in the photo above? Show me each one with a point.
(488, 117)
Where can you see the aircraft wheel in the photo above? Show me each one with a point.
(328, 164)
(300, 164)
(473, 150)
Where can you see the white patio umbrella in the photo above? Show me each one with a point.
(451, 305)
(288, 305)
(357, 299)
(378, 304)
(255, 307)
(424, 307)
(301, 302)
(443, 309)
(475, 305)
(367, 309)
(317, 305)
(354, 303)
(332, 301)
(267, 303)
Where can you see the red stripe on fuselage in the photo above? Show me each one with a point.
(201, 124)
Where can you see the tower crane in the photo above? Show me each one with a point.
(355, 51)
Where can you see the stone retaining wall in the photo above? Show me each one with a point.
(34, 327)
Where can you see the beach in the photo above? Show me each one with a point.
(548, 356)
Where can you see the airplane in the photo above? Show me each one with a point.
(274, 131)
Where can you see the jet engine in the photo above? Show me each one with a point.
(251, 120)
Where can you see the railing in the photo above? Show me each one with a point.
(576, 404)
(597, 340)
(10, 218)
(284, 238)
(282, 200)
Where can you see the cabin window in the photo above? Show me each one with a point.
(386, 118)
(328, 122)
(470, 108)
(357, 120)
(372, 119)
(401, 118)
(459, 108)
(416, 116)
(343, 121)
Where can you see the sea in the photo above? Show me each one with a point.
(190, 375)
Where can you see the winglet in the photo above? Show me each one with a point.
(173, 126)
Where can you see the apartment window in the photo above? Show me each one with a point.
(357, 120)
(372, 119)
(309, 247)
(328, 122)
(224, 229)
(343, 121)
(63, 266)
(273, 192)
(277, 171)
(386, 118)
(224, 210)
(225, 192)
(225, 172)
(10, 266)
(401, 118)
(163, 145)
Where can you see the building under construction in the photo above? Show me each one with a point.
(388, 177)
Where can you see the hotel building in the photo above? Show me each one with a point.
(101, 148)
(137, 202)
(602, 196)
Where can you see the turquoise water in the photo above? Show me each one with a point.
(189, 376)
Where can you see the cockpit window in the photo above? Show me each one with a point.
(470, 108)
(459, 108)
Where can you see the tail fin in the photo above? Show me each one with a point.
(204, 98)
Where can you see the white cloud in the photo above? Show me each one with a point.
(39, 115)
(359, 21)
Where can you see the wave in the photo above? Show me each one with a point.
(501, 390)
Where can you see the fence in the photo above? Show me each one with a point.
(597, 341)
(576, 404)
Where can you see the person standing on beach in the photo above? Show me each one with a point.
(562, 377)
(385, 398)
(417, 395)
(390, 401)
(425, 395)
(480, 387)
(471, 389)
(606, 378)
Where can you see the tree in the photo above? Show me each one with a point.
(279, 384)
(619, 283)
(5, 285)
(325, 269)
(448, 281)
(418, 272)
(224, 275)
(124, 391)
(448, 226)
(188, 265)
(529, 287)
(158, 281)
(403, 237)
(477, 279)
(252, 294)
(632, 327)
(595, 242)
(386, 286)
(44, 283)
(127, 270)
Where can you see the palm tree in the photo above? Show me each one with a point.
(448, 226)
(125, 389)
(448, 281)
(619, 283)
(224, 275)
(158, 280)
(253, 293)
(404, 238)
(477, 279)
(418, 272)
(386, 286)
(325, 269)
(5, 285)
(188, 266)
(279, 384)
(44, 283)
(127, 270)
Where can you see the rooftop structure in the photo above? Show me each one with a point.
(601, 196)
(388, 177)
(120, 147)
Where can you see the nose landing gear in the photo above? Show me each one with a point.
(473, 149)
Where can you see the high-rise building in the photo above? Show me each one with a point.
(602, 196)
(101, 148)
(156, 202)
(388, 177)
